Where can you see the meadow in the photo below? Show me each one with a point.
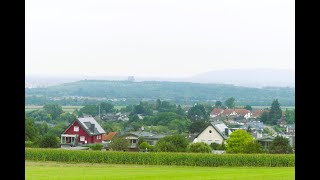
(89, 171)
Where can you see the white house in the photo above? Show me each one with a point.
(216, 132)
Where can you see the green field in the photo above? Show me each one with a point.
(83, 171)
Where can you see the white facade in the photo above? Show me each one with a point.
(209, 135)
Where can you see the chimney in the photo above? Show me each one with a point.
(92, 127)
(226, 131)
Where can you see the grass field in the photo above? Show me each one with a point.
(84, 171)
(64, 108)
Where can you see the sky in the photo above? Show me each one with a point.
(163, 38)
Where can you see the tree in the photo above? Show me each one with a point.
(49, 141)
(92, 110)
(180, 111)
(248, 107)
(230, 102)
(42, 128)
(218, 104)
(253, 147)
(66, 117)
(141, 140)
(280, 145)
(106, 107)
(239, 141)
(54, 109)
(264, 117)
(119, 144)
(180, 125)
(197, 126)
(290, 116)
(144, 146)
(275, 112)
(175, 143)
(197, 112)
(31, 132)
(199, 147)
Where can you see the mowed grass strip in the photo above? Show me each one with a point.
(86, 171)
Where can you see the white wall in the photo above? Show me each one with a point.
(209, 138)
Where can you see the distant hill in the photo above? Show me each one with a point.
(178, 92)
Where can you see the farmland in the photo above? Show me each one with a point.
(74, 171)
(69, 109)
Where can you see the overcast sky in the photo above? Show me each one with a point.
(164, 38)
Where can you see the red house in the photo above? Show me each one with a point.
(82, 131)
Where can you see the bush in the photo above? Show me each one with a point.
(49, 141)
(217, 146)
(96, 147)
(119, 144)
(160, 158)
(144, 146)
(175, 143)
(199, 147)
(28, 143)
(280, 145)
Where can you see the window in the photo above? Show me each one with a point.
(98, 137)
(76, 128)
(81, 138)
(210, 131)
(134, 141)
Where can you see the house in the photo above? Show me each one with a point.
(82, 131)
(216, 112)
(282, 122)
(216, 132)
(106, 138)
(243, 112)
(229, 112)
(255, 128)
(149, 137)
(290, 129)
(265, 141)
(257, 113)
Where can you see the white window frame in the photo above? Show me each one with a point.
(76, 128)
(82, 138)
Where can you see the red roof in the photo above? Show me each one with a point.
(257, 113)
(109, 136)
(242, 112)
(216, 111)
(227, 111)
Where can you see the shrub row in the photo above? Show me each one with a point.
(185, 159)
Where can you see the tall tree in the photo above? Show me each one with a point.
(198, 112)
(230, 102)
(92, 110)
(264, 117)
(54, 109)
(218, 104)
(106, 107)
(248, 107)
(280, 145)
(31, 132)
(275, 112)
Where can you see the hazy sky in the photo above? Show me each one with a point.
(157, 38)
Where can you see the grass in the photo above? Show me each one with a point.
(86, 171)
(64, 108)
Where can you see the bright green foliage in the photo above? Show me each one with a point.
(230, 102)
(199, 147)
(119, 144)
(144, 146)
(49, 141)
(54, 109)
(275, 112)
(31, 133)
(280, 145)
(141, 140)
(238, 141)
(175, 143)
(161, 158)
(96, 147)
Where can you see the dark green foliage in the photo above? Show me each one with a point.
(198, 112)
(199, 147)
(218, 104)
(49, 141)
(179, 125)
(92, 110)
(119, 144)
(217, 146)
(143, 108)
(54, 109)
(106, 107)
(177, 92)
(42, 128)
(175, 143)
(254, 147)
(280, 145)
(66, 117)
(197, 126)
(96, 147)
(158, 158)
(141, 140)
(264, 117)
(39, 115)
(230, 102)
(290, 116)
(275, 112)
(31, 132)
(248, 107)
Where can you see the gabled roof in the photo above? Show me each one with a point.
(242, 112)
(219, 126)
(109, 136)
(85, 123)
(227, 111)
(216, 111)
(257, 113)
(145, 134)
(253, 124)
